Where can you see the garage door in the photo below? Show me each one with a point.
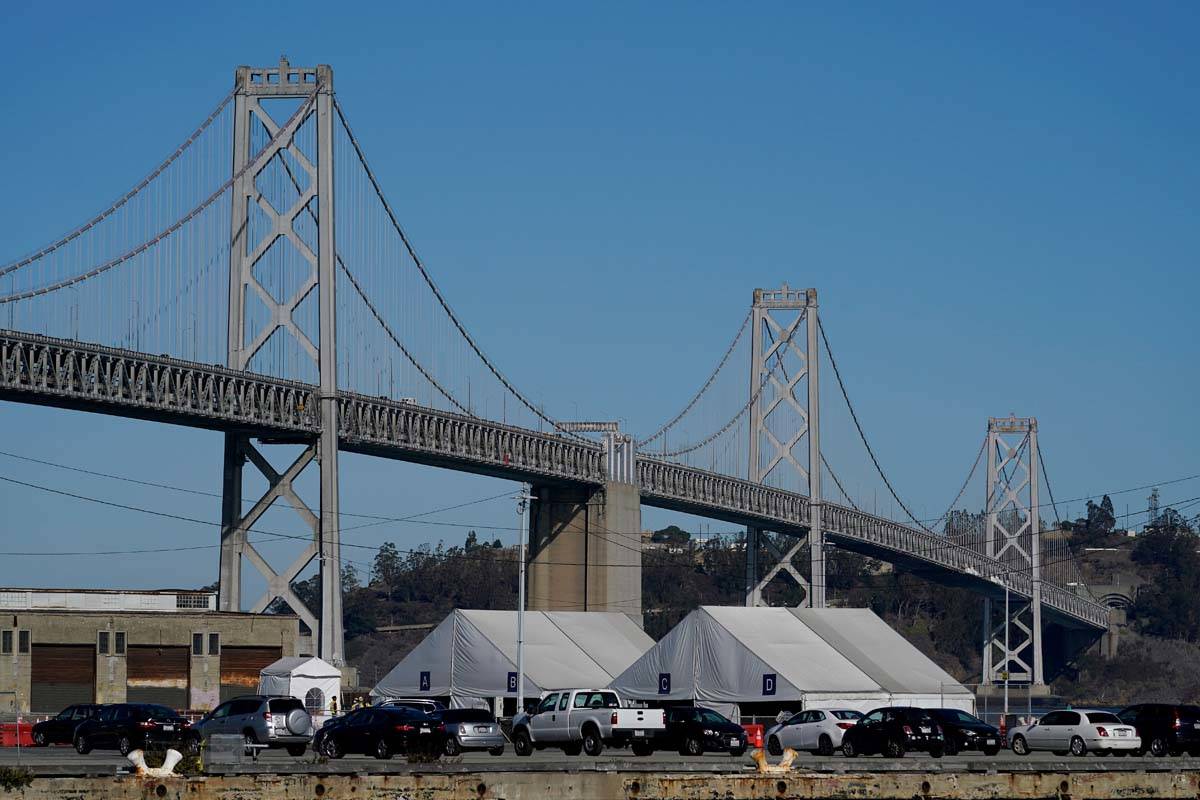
(62, 674)
(157, 675)
(240, 667)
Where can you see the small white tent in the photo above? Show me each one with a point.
(796, 658)
(471, 656)
(309, 679)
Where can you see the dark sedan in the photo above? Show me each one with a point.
(696, 731)
(893, 732)
(61, 729)
(380, 732)
(961, 731)
(134, 726)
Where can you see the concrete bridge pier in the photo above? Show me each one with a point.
(586, 549)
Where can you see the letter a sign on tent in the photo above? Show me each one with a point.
(425, 682)
(768, 683)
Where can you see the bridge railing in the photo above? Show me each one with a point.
(702, 488)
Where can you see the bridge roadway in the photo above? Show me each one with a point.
(66, 374)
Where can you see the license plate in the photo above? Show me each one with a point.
(168, 727)
(639, 733)
(733, 742)
(991, 742)
(1122, 733)
(482, 729)
(924, 730)
(425, 730)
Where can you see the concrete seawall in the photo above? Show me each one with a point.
(1075, 784)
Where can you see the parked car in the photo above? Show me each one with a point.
(962, 731)
(1165, 728)
(587, 720)
(134, 726)
(1075, 731)
(817, 730)
(893, 732)
(61, 729)
(273, 721)
(380, 732)
(696, 731)
(470, 729)
(419, 703)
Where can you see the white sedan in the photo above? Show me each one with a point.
(1076, 731)
(818, 730)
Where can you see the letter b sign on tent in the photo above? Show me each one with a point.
(425, 682)
(664, 683)
(768, 683)
(512, 681)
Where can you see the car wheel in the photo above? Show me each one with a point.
(382, 751)
(950, 748)
(991, 751)
(937, 750)
(894, 748)
(774, 747)
(1020, 746)
(124, 746)
(1078, 748)
(593, 745)
(1158, 747)
(824, 745)
(848, 748)
(451, 747)
(39, 739)
(331, 749)
(737, 752)
(82, 745)
(693, 747)
(497, 751)
(522, 746)
(641, 748)
(297, 750)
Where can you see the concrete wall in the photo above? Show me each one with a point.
(148, 628)
(586, 550)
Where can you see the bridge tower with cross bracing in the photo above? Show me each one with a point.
(282, 299)
(785, 440)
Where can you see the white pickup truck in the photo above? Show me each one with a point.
(587, 720)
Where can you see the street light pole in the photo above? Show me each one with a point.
(1007, 652)
(523, 500)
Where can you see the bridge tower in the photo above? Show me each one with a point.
(282, 254)
(1012, 535)
(784, 414)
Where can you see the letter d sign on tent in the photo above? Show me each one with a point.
(768, 683)
(664, 683)
(512, 681)
(425, 681)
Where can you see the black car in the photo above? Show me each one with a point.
(1165, 729)
(61, 729)
(893, 732)
(961, 731)
(695, 731)
(134, 726)
(381, 732)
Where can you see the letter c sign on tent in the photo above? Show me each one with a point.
(664, 683)
(768, 683)
(512, 681)
(425, 682)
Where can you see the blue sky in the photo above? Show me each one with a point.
(997, 206)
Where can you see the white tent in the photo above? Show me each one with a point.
(306, 678)
(796, 658)
(471, 656)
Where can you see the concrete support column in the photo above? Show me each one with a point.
(586, 549)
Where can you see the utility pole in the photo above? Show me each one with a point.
(523, 501)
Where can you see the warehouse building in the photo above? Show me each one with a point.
(59, 647)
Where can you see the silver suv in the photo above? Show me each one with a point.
(261, 720)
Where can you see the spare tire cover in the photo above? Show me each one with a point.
(298, 722)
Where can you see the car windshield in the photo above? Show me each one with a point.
(707, 715)
(1103, 716)
(847, 715)
(157, 712)
(467, 715)
(954, 715)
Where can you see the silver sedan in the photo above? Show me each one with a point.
(818, 730)
(1076, 731)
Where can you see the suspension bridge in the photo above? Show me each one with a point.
(217, 298)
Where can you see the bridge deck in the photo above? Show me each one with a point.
(62, 373)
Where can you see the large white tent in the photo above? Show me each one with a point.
(307, 678)
(471, 656)
(724, 657)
